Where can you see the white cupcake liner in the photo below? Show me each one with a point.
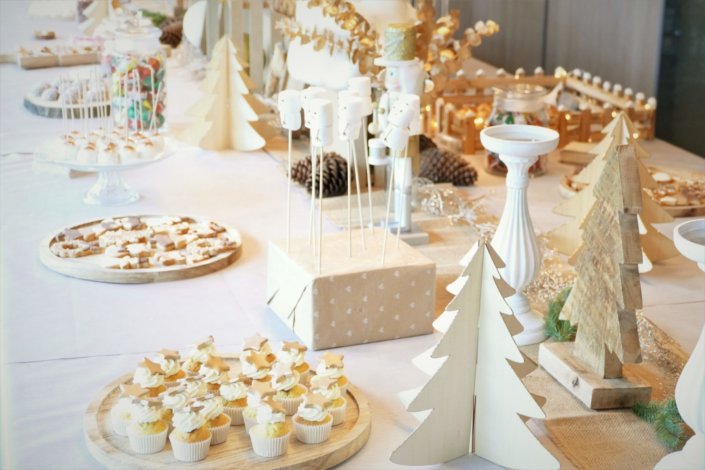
(291, 405)
(338, 413)
(190, 451)
(220, 433)
(312, 434)
(249, 422)
(235, 414)
(268, 446)
(119, 423)
(147, 443)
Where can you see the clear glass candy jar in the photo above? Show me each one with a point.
(138, 75)
(517, 104)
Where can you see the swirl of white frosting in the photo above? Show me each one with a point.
(186, 420)
(251, 370)
(212, 407)
(195, 388)
(175, 400)
(330, 393)
(201, 354)
(124, 405)
(311, 413)
(210, 376)
(253, 399)
(291, 356)
(145, 413)
(286, 382)
(145, 379)
(169, 366)
(233, 391)
(331, 372)
(265, 415)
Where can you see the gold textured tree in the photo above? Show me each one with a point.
(226, 117)
(607, 290)
(476, 399)
(567, 238)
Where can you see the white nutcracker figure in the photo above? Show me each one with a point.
(320, 113)
(289, 106)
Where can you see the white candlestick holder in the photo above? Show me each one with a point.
(519, 147)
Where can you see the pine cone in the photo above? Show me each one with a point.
(443, 166)
(172, 33)
(425, 142)
(335, 174)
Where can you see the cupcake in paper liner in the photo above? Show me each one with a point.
(190, 440)
(289, 392)
(217, 422)
(149, 375)
(214, 372)
(293, 353)
(173, 398)
(121, 413)
(170, 362)
(329, 389)
(312, 423)
(260, 345)
(198, 355)
(147, 432)
(331, 366)
(234, 393)
(255, 366)
(257, 392)
(270, 436)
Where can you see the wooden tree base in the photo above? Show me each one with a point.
(594, 391)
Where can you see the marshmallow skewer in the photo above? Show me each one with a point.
(308, 95)
(359, 197)
(289, 106)
(320, 215)
(389, 206)
(362, 87)
(350, 163)
(402, 183)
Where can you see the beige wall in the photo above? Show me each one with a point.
(616, 39)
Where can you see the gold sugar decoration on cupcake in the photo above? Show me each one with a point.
(133, 390)
(205, 343)
(262, 389)
(293, 346)
(316, 399)
(151, 366)
(274, 405)
(217, 363)
(260, 361)
(332, 360)
(170, 354)
(321, 382)
(255, 343)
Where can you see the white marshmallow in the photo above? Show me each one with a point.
(350, 113)
(289, 106)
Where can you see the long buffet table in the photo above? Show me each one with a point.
(63, 339)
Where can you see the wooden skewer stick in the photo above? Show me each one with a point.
(369, 179)
(312, 213)
(389, 206)
(320, 215)
(288, 198)
(401, 188)
(350, 163)
(359, 196)
(152, 123)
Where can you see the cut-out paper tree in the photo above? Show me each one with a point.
(476, 399)
(226, 117)
(94, 13)
(607, 290)
(567, 238)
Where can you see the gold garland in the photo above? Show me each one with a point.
(361, 47)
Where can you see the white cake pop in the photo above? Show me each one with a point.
(538, 71)
(289, 106)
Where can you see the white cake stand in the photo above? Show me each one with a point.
(519, 146)
(110, 189)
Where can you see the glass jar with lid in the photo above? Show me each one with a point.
(137, 66)
(517, 104)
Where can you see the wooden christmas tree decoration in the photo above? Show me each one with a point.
(606, 294)
(226, 117)
(94, 13)
(476, 399)
(567, 238)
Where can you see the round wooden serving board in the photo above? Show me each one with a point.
(89, 268)
(114, 451)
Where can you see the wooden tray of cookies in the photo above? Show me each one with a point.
(91, 267)
(114, 451)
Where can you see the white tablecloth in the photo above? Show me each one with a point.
(63, 339)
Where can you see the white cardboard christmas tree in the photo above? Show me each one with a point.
(476, 399)
(226, 117)
(567, 238)
(94, 13)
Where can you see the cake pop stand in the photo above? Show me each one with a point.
(110, 189)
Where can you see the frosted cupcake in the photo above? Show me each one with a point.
(195, 386)
(259, 344)
(290, 393)
(270, 436)
(214, 371)
(147, 433)
(198, 355)
(312, 423)
(190, 439)
(121, 413)
(234, 393)
(255, 366)
(170, 362)
(217, 422)
(328, 389)
(149, 375)
(255, 395)
(173, 399)
(331, 366)
(293, 353)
